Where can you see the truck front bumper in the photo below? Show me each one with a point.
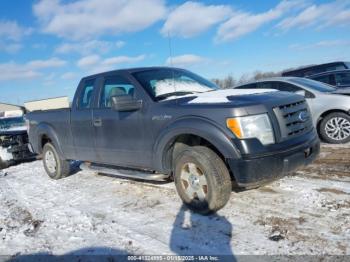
(252, 171)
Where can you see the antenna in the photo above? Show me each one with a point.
(170, 50)
(171, 61)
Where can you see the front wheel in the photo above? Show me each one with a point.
(202, 179)
(335, 128)
(54, 166)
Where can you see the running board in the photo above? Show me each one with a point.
(124, 172)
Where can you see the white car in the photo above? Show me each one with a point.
(330, 107)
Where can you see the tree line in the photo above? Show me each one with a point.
(230, 81)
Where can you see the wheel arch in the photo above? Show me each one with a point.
(192, 132)
(46, 133)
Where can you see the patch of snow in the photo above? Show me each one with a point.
(221, 96)
(169, 86)
(4, 155)
(296, 215)
(15, 128)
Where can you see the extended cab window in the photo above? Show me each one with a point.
(85, 99)
(115, 86)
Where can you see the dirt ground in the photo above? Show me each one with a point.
(305, 213)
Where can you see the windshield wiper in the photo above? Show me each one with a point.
(179, 93)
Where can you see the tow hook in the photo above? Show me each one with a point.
(308, 152)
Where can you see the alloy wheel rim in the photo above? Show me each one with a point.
(338, 128)
(50, 161)
(194, 182)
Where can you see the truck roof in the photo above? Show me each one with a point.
(133, 70)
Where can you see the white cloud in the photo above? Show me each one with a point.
(10, 48)
(31, 69)
(242, 23)
(89, 61)
(186, 60)
(90, 18)
(95, 63)
(12, 71)
(320, 44)
(193, 18)
(10, 36)
(10, 30)
(328, 14)
(120, 44)
(52, 62)
(69, 76)
(85, 48)
(123, 60)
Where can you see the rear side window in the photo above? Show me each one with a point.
(267, 85)
(287, 87)
(249, 86)
(85, 99)
(115, 86)
(342, 78)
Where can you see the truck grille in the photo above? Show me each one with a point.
(294, 119)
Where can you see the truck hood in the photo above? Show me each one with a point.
(218, 96)
(232, 97)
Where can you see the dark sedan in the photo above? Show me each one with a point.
(338, 78)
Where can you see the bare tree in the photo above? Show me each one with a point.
(229, 81)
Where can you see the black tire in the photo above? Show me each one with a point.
(62, 167)
(218, 181)
(4, 164)
(323, 125)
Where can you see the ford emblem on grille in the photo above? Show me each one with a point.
(303, 116)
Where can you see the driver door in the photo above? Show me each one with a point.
(119, 135)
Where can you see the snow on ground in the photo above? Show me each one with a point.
(308, 213)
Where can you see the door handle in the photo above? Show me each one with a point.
(97, 122)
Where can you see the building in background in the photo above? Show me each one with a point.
(47, 104)
(8, 109)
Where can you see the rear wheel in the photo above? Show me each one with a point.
(54, 166)
(202, 179)
(335, 128)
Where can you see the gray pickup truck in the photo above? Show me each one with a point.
(174, 124)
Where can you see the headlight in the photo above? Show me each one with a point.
(257, 126)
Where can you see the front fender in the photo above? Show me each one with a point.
(192, 126)
(44, 129)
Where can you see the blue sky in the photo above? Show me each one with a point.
(46, 46)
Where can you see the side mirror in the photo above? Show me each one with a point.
(301, 92)
(125, 103)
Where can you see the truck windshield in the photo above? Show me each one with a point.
(13, 123)
(164, 83)
(315, 85)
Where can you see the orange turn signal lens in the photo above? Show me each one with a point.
(234, 125)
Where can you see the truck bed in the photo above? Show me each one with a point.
(56, 120)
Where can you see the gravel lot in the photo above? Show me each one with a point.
(307, 213)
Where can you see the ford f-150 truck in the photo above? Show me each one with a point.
(174, 124)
